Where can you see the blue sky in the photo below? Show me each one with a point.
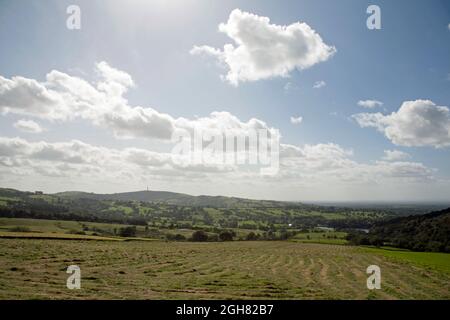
(407, 60)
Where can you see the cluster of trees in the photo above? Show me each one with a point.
(202, 236)
(88, 210)
(129, 231)
(230, 235)
(429, 232)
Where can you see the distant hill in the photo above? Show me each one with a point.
(170, 209)
(179, 199)
(428, 232)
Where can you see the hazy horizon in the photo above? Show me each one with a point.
(318, 202)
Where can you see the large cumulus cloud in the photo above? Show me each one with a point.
(416, 123)
(262, 50)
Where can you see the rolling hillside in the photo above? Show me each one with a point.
(173, 198)
(428, 232)
(184, 211)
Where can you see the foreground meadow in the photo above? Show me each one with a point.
(35, 269)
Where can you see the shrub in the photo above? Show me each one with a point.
(251, 236)
(226, 236)
(199, 236)
(175, 237)
(128, 231)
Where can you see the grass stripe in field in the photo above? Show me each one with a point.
(435, 260)
(34, 235)
(321, 241)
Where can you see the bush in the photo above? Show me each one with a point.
(175, 237)
(251, 236)
(128, 231)
(199, 236)
(226, 236)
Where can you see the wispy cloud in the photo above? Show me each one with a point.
(296, 120)
(29, 126)
(395, 155)
(370, 103)
(319, 84)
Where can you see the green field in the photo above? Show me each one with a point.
(59, 226)
(35, 269)
(326, 237)
(435, 260)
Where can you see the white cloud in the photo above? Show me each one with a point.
(75, 164)
(370, 104)
(288, 86)
(416, 123)
(296, 120)
(264, 50)
(319, 84)
(29, 97)
(330, 164)
(320, 164)
(28, 126)
(84, 159)
(395, 155)
(112, 75)
(63, 98)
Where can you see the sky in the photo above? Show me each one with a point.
(361, 114)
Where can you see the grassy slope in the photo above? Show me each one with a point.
(44, 235)
(435, 260)
(57, 226)
(327, 237)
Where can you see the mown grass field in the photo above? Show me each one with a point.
(58, 226)
(35, 269)
(434, 260)
(328, 237)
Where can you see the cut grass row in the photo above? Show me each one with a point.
(58, 236)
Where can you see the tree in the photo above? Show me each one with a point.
(128, 231)
(251, 236)
(175, 237)
(199, 236)
(226, 236)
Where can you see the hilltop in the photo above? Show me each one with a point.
(173, 198)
